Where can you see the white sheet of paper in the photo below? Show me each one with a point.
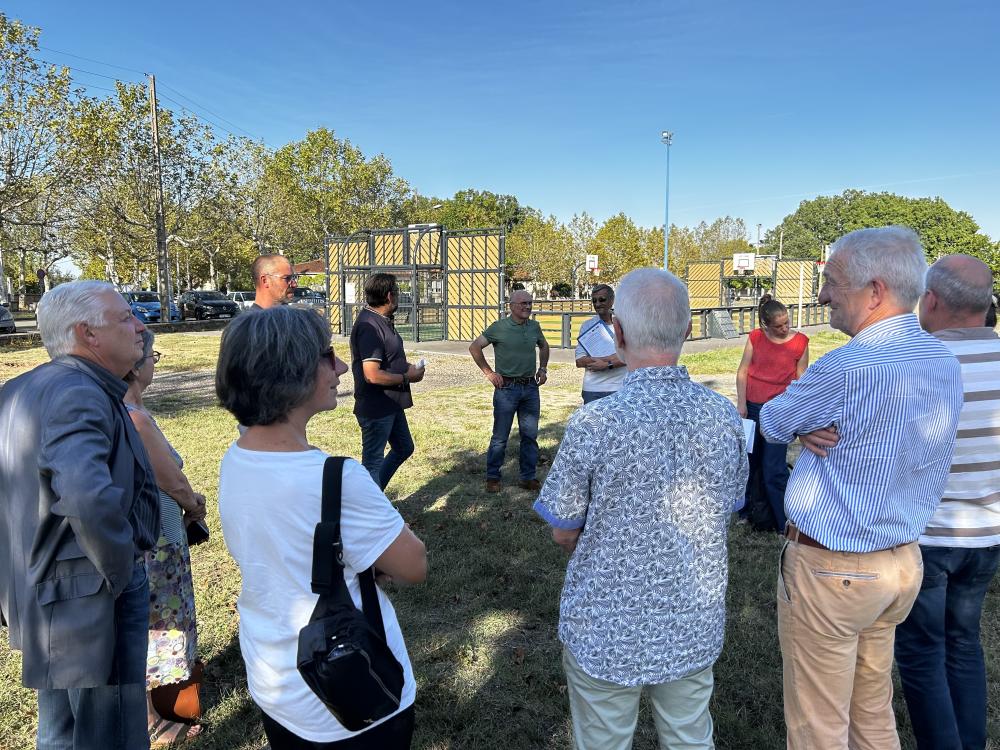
(750, 431)
(597, 342)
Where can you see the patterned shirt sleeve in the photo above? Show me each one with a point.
(565, 497)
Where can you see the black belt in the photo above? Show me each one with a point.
(517, 381)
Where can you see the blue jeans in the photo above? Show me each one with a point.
(768, 471)
(939, 653)
(507, 401)
(375, 433)
(112, 716)
(589, 396)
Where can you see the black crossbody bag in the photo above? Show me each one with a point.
(342, 655)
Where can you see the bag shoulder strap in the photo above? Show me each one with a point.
(328, 553)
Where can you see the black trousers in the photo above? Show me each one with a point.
(394, 734)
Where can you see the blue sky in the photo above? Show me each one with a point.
(562, 104)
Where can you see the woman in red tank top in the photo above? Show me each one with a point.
(774, 356)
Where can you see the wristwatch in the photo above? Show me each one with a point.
(611, 365)
(405, 379)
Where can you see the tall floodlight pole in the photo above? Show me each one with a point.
(667, 137)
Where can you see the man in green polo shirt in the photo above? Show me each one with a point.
(515, 381)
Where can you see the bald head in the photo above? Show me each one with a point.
(520, 305)
(958, 293)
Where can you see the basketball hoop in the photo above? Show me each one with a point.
(743, 262)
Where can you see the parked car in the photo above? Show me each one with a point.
(7, 324)
(146, 306)
(243, 299)
(203, 305)
(304, 297)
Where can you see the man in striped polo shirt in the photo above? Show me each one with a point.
(878, 417)
(938, 648)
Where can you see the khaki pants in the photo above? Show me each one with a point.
(837, 617)
(604, 713)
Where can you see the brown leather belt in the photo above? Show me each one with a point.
(793, 534)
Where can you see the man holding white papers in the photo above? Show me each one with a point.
(595, 349)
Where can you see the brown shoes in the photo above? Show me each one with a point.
(530, 484)
(492, 485)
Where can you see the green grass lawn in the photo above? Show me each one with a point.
(482, 631)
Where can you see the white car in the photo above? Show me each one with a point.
(243, 299)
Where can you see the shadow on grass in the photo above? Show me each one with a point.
(482, 632)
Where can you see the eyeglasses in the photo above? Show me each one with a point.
(328, 354)
(288, 278)
(155, 356)
(595, 300)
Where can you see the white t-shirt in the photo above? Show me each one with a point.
(605, 381)
(270, 504)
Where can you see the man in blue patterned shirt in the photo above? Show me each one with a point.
(878, 418)
(640, 495)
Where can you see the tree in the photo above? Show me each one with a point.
(329, 188)
(582, 231)
(621, 245)
(819, 222)
(116, 208)
(36, 107)
(538, 248)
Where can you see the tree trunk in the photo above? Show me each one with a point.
(211, 268)
(4, 285)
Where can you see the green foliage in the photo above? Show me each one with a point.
(537, 249)
(326, 186)
(37, 158)
(819, 222)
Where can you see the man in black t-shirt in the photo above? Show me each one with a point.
(382, 378)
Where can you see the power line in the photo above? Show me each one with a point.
(163, 85)
(195, 114)
(200, 106)
(90, 59)
(81, 70)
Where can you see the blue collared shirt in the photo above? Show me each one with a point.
(894, 392)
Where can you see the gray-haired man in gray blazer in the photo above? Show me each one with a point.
(77, 508)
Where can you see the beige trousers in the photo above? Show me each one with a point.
(837, 617)
(604, 713)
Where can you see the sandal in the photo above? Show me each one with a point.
(163, 733)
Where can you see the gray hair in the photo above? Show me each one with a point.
(147, 352)
(962, 286)
(652, 307)
(268, 361)
(892, 255)
(63, 307)
(606, 287)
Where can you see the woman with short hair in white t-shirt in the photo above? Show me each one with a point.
(276, 371)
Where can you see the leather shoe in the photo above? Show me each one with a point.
(530, 484)
(492, 485)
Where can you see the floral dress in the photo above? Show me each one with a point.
(173, 638)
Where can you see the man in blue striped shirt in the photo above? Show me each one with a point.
(878, 417)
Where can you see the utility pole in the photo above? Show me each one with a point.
(781, 242)
(162, 259)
